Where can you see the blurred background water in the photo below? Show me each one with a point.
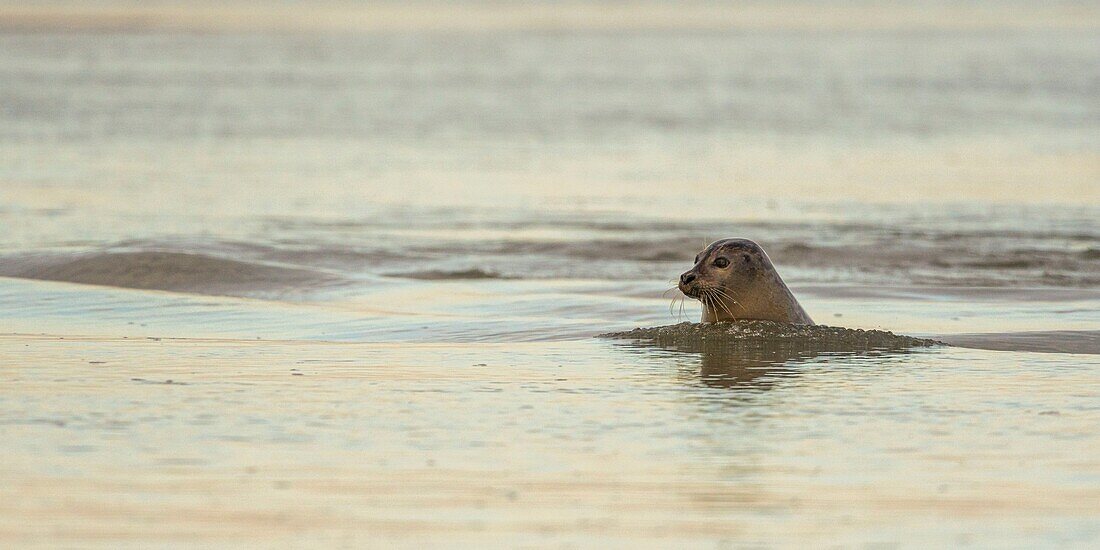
(506, 180)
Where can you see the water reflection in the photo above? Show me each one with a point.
(757, 366)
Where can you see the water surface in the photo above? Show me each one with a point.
(339, 286)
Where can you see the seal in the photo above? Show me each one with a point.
(734, 279)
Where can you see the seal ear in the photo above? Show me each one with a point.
(749, 264)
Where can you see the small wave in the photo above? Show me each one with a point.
(1006, 263)
(456, 275)
(174, 271)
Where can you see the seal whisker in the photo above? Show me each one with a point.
(723, 303)
(726, 293)
(672, 305)
(715, 302)
(708, 297)
(712, 299)
(723, 294)
(672, 302)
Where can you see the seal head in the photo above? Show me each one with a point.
(735, 279)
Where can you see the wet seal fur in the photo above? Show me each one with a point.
(734, 279)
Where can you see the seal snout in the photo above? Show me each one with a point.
(686, 285)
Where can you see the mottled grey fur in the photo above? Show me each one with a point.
(747, 288)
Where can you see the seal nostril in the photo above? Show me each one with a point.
(687, 278)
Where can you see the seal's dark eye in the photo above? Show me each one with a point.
(721, 262)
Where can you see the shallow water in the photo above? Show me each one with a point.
(341, 287)
(136, 440)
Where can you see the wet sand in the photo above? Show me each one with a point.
(131, 442)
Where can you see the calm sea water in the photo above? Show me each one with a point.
(340, 287)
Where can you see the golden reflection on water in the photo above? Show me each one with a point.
(122, 442)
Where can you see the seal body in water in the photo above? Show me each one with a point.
(735, 279)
